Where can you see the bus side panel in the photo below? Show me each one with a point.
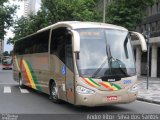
(70, 86)
(41, 66)
(58, 75)
(35, 69)
(16, 67)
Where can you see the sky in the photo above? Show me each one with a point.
(9, 34)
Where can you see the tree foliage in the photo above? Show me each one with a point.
(127, 13)
(53, 11)
(6, 17)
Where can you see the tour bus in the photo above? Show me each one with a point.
(7, 62)
(82, 63)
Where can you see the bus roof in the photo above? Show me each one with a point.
(79, 24)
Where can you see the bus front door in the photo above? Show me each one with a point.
(69, 71)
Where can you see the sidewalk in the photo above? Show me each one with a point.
(151, 95)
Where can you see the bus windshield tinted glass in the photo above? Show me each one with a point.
(105, 53)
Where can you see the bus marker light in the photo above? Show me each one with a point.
(134, 88)
(83, 90)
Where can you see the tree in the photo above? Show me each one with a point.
(127, 13)
(6, 17)
(53, 11)
(62, 10)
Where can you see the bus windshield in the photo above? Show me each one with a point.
(105, 53)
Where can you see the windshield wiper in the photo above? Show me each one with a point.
(112, 74)
(99, 68)
(124, 72)
(110, 60)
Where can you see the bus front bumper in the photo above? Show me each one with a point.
(105, 98)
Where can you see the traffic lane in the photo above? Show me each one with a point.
(38, 103)
(6, 77)
(35, 102)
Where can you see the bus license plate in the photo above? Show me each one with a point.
(111, 98)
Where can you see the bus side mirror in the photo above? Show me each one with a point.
(142, 40)
(75, 41)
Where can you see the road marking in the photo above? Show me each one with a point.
(8, 84)
(149, 103)
(7, 89)
(23, 90)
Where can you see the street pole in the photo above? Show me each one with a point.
(104, 11)
(148, 54)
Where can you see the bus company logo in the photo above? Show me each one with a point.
(111, 80)
(111, 98)
(127, 81)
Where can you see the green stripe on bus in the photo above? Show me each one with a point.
(34, 76)
(117, 86)
(93, 81)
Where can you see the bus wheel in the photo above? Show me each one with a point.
(54, 93)
(20, 82)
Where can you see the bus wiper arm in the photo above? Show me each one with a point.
(117, 61)
(111, 59)
(99, 68)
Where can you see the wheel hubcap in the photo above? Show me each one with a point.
(20, 82)
(54, 92)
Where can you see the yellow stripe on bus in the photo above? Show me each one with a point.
(108, 84)
(29, 75)
(112, 87)
(91, 83)
(17, 63)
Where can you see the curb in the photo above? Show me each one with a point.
(149, 101)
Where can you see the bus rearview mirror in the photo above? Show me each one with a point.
(75, 41)
(142, 41)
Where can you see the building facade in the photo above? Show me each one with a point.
(150, 23)
(31, 6)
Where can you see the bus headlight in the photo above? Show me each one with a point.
(83, 90)
(134, 88)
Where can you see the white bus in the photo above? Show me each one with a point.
(83, 63)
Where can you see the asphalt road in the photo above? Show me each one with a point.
(14, 100)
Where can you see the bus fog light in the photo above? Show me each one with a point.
(134, 88)
(83, 90)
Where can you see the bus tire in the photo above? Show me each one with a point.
(54, 93)
(21, 82)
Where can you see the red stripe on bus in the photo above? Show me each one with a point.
(87, 82)
(106, 86)
(25, 75)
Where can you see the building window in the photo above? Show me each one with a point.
(144, 27)
(148, 11)
(148, 27)
(141, 29)
(158, 26)
(158, 6)
(137, 29)
(153, 27)
(154, 9)
(151, 10)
